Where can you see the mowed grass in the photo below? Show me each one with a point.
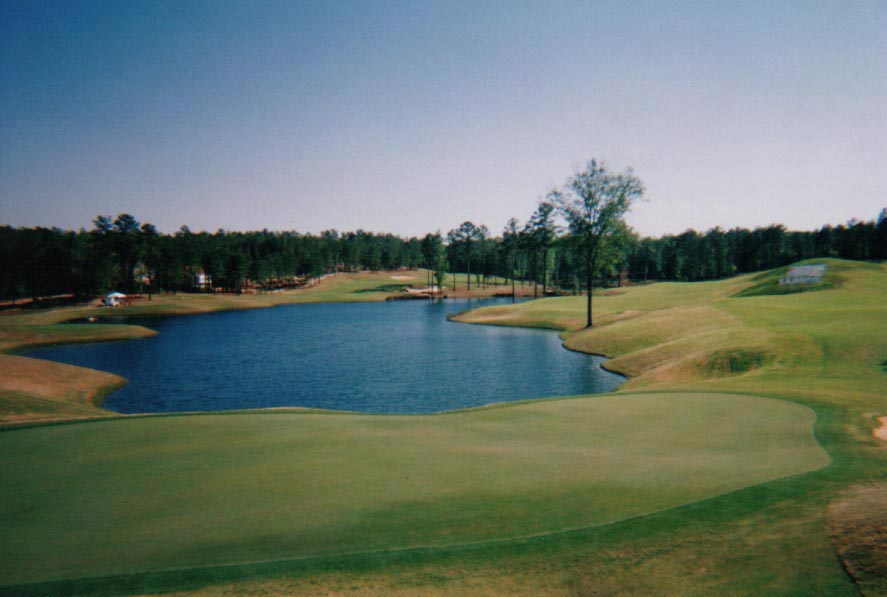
(677, 515)
(158, 493)
(826, 345)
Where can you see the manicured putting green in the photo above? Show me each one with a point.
(188, 491)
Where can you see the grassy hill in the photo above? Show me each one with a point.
(826, 344)
(701, 476)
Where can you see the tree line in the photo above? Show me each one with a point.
(125, 255)
(575, 238)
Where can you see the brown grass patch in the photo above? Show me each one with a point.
(858, 524)
(36, 391)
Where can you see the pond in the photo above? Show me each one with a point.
(393, 357)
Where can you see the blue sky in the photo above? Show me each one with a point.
(409, 117)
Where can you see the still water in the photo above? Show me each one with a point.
(395, 357)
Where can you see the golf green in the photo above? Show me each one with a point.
(154, 493)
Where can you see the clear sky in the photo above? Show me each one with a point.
(413, 116)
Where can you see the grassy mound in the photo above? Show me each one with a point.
(168, 492)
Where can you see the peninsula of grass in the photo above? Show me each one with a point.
(745, 420)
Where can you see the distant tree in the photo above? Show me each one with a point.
(594, 203)
(434, 256)
(569, 265)
(614, 252)
(465, 236)
(529, 244)
(127, 239)
(880, 251)
(428, 255)
(236, 269)
(149, 237)
(542, 231)
(440, 267)
(10, 266)
(330, 249)
(482, 234)
(510, 237)
(103, 249)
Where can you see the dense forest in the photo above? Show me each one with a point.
(124, 254)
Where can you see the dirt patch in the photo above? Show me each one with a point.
(858, 525)
(881, 432)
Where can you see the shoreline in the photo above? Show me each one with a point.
(24, 331)
(604, 381)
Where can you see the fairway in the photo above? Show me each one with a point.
(154, 493)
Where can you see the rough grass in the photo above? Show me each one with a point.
(736, 360)
(858, 522)
(36, 391)
(115, 497)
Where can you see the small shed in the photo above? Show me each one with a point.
(113, 299)
(203, 282)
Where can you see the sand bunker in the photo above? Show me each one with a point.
(881, 432)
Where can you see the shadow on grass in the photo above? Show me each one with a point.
(385, 288)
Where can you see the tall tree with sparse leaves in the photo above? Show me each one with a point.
(594, 202)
